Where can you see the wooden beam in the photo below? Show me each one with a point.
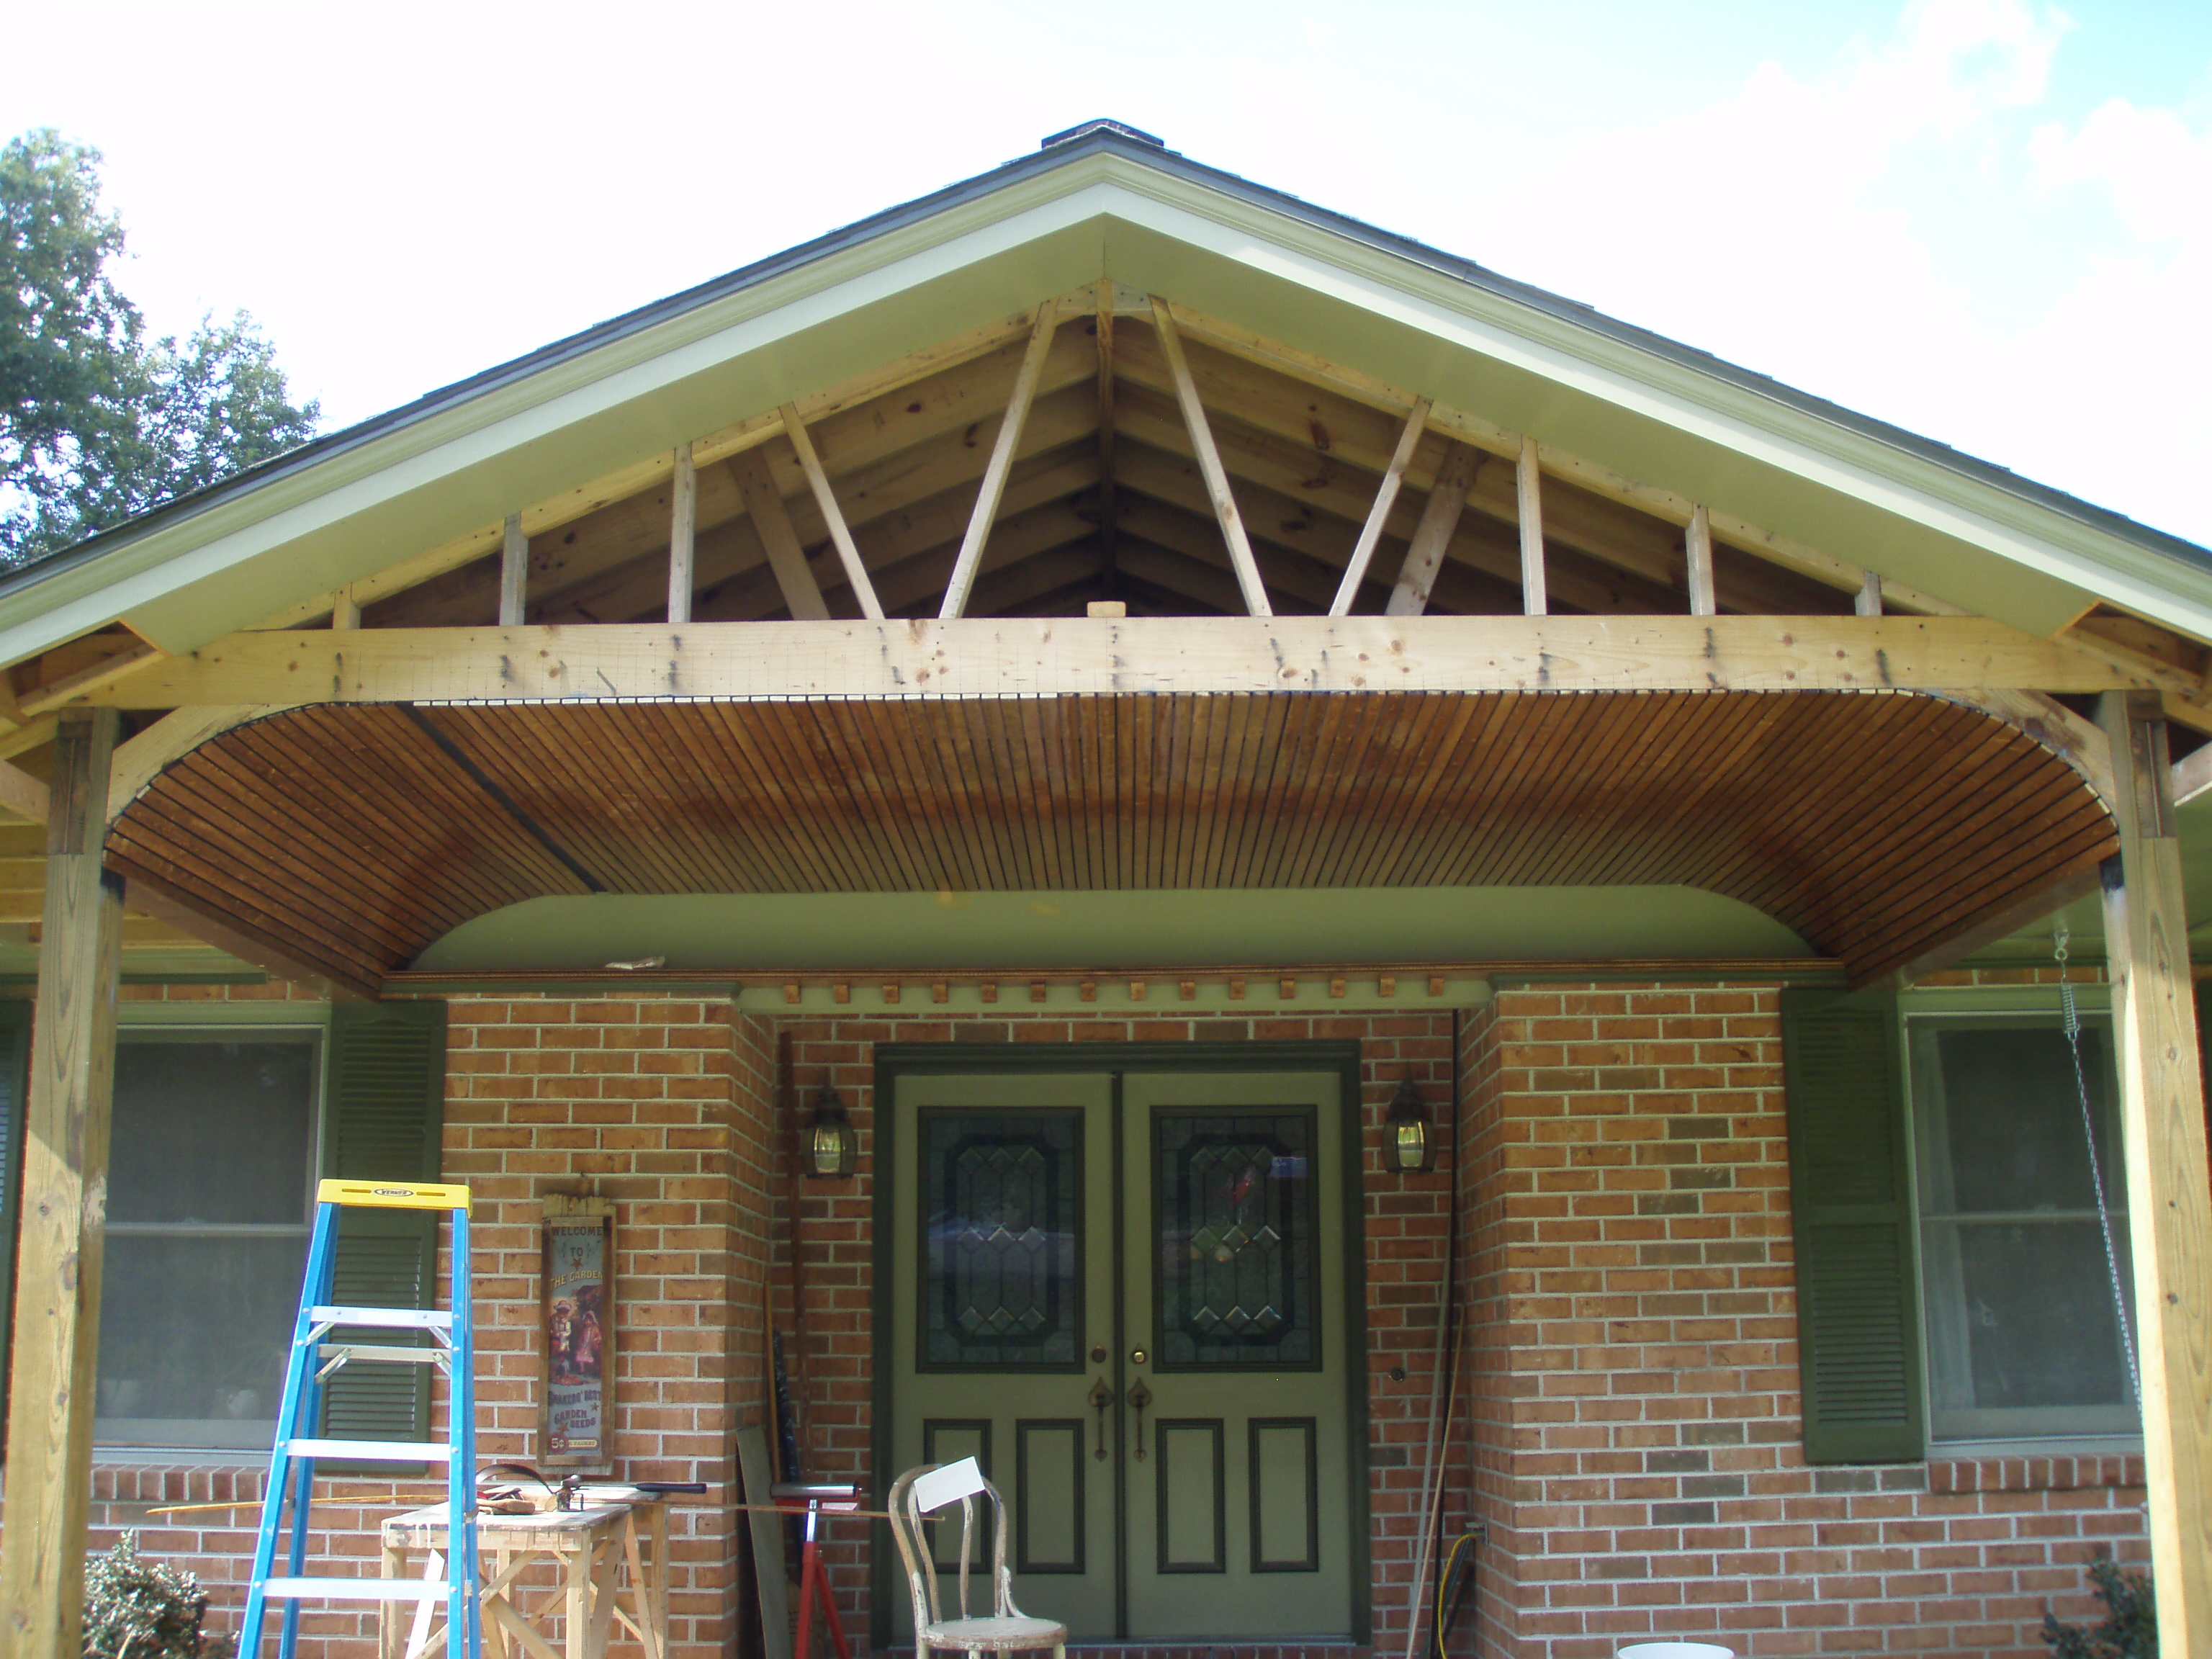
(1698, 545)
(144, 758)
(1005, 657)
(2192, 776)
(1106, 502)
(1001, 462)
(1209, 464)
(345, 608)
(182, 912)
(1386, 496)
(856, 574)
(22, 794)
(69, 688)
(32, 734)
(1528, 482)
(786, 556)
(682, 531)
(62, 1233)
(1869, 601)
(1432, 537)
(2169, 1188)
(513, 574)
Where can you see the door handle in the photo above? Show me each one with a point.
(1140, 1397)
(1102, 1399)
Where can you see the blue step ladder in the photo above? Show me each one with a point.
(315, 1356)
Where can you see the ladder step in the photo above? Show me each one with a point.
(377, 1351)
(373, 1451)
(355, 1590)
(389, 1319)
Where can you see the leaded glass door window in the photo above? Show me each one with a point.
(1002, 1240)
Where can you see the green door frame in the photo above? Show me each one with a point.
(898, 1059)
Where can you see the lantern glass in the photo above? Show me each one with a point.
(1408, 1148)
(829, 1143)
(1411, 1145)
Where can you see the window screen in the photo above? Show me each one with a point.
(210, 1176)
(2022, 1335)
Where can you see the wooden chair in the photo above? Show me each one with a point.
(1006, 1628)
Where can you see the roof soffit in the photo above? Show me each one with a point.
(539, 427)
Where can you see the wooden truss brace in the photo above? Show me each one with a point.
(1425, 555)
(683, 534)
(786, 556)
(513, 574)
(1106, 524)
(1386, 496)
(1698, 548)
(1209, 465)
(1529, 481)
(1001, 463)
(856, 574)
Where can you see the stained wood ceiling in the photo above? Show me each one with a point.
(351, 836)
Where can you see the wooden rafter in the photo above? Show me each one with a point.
(856, 573)
(1001, 462)
(1386, 497)
(1432, 537)
(1106, 502)
(1209, 462)
(786, 557)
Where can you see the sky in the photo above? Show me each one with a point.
(1987, 221)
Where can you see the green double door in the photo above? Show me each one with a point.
(1124, 1293)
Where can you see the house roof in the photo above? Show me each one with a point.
(1102, 200)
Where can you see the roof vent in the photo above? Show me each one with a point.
(1120, 128)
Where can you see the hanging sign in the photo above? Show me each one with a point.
(575, 1422)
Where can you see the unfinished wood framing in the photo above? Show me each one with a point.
(2169, 1190)
(1386, 497)
(794, 578)
(513, 574)
(825, 499)
(1869, 600)
(22, 794)
(1529, 485)
(1209, 464)
(1698, 549)
(1433, 535)
(61, 1237)
(1106, 504)
(682, 531)
(345, 609)
(1001, 462)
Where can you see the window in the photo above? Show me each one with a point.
(210, 1195)
(2021, 1338)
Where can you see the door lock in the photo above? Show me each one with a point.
(1138, 1356)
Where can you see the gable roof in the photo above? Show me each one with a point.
(1104, 201)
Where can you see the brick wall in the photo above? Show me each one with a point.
(1405, 1219)
(1640, 1452)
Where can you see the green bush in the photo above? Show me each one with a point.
(2131, 1626)
(135, 1608)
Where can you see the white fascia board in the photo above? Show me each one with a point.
(1736, 417)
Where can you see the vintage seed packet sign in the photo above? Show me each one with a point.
(575, 1423)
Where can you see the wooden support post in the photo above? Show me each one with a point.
(2169, 1194)
(1532, 601)
(1106, 524)
(786, 556)
(64, 1209)
(1868, 602)
(513, 573)
(1698, 543)
(1425, 555)
(345, 608)
(970, 556)
(1386, 497)
(1209, 464)
(840, 536)
(683, 534)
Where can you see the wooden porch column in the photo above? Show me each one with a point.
(2169, 1194)
(49, 1472)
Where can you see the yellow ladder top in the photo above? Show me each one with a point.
(392, 1195)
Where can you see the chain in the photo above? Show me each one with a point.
(2059, 936)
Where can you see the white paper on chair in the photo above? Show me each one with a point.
(948, 1485)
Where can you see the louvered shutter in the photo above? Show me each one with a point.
(15, 1088)
(387, 1090)
(1858, 1313)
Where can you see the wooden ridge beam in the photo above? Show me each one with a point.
(987, 657)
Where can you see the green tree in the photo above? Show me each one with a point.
(97, 422)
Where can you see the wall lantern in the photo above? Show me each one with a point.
(831, 1142)
(1409, 1144)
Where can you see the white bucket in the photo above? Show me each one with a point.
(1674, 1651)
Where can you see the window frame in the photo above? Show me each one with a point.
(220, 1019)
(2039, 1004)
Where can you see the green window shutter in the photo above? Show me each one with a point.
(1851, 1197)
(387, 1093)
(15, 1090)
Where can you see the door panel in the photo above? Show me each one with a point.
(1170, 1245)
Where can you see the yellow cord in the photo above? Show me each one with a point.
(1444, 1577)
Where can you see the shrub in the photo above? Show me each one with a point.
(2131, 1626)
(135, 1608)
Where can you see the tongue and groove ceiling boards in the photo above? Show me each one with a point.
(1104, 375)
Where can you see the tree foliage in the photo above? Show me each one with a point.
(98, 420)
